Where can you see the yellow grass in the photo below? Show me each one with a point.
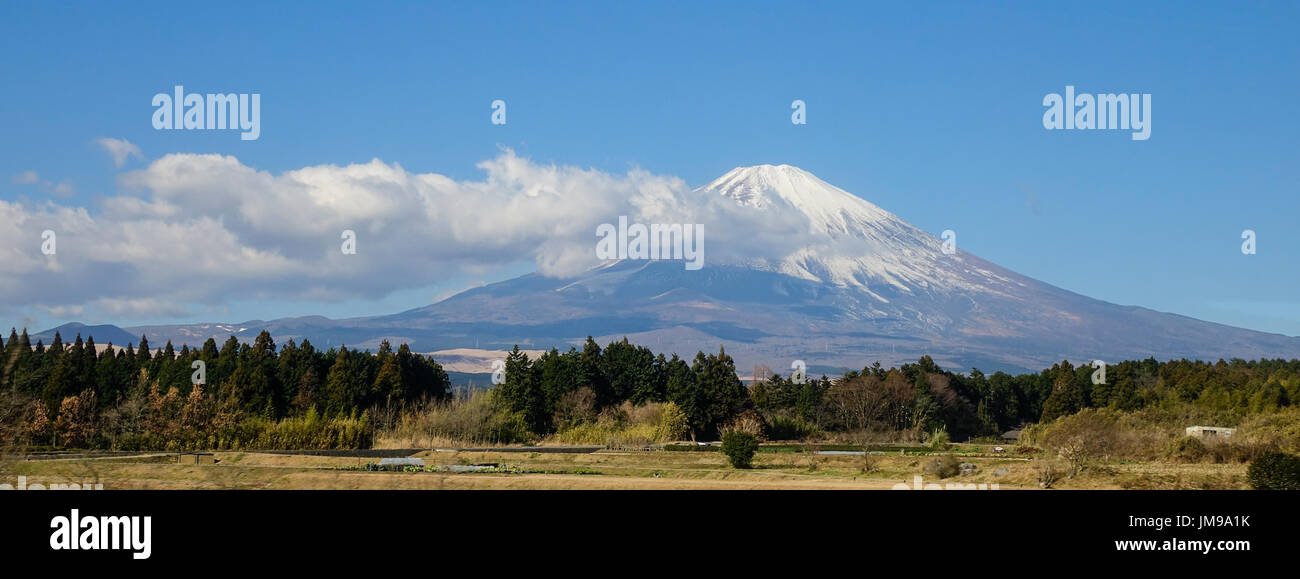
(617, 470)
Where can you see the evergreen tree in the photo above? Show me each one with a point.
(144, 357)
(713, 396)
(522, 392)
(388, 382)
(1067, 397)
(342, 393)
(591, 374)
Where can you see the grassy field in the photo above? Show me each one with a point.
(600, 470)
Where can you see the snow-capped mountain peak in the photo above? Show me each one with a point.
(853, 242)
(830, 209)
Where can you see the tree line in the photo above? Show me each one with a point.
(256, 394)
(76, 395)
(556, 387)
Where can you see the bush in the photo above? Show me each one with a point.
(1188, 449)
(1274, 471)
(470, 421)
(787, 428)
(946, 466)
(1082, 437)
(939, 440)
(749, 422)
(1280, 430)
(1048, 474)
(1229, 451)
(673, 424)
(739, 446)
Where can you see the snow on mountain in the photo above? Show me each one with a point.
(861, 245)
(862, 285)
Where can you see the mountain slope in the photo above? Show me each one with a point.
(865, 286)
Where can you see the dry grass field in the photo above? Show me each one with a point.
(599, 470)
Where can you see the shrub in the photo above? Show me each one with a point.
(739, 446)
(1274, 471)
(627, 427)
(1081, 437)
(1048, 474)
(468, 421)
(939, 440)
(787, 428)
(749, 422)
(673, 424)
(1188, 449)
(1229, 451)
(946, 466)
(1280, 430)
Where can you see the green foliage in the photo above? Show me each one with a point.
(1275, 471)
(1148, 402)
(673, 423)
(522, 393)
(711, 395)
(939, 440)
(1082, 437)
(475, 420)
(1188, 449)
(739, 446)
(1280, 430)
(786, 428)
(251, 396)
(1069, 393)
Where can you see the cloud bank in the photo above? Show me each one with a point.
(192, 232)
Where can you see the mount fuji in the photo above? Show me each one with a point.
(862, 285)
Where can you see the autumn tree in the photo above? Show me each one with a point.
(75, 425)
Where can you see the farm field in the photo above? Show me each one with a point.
(604, 470)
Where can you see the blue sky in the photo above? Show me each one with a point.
(930, 110)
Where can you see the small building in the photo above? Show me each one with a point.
(1011, 435)
(1210, 431)
(196, 458)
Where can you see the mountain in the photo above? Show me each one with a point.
(103, 334)
(863, 286)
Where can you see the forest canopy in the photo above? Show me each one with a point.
(258, 395)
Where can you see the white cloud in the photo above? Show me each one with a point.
(141, 307)
(119, 149)
(30, 177)
(63, 311)
(193, 232)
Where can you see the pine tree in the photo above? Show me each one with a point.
(522, 392)
(9, 360)
(591, 374)
(308, 395)
(388, 382)
(340, 396)
(144, 357)
(1066, 399)
(56, 346)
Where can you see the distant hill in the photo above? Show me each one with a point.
(103, 334)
